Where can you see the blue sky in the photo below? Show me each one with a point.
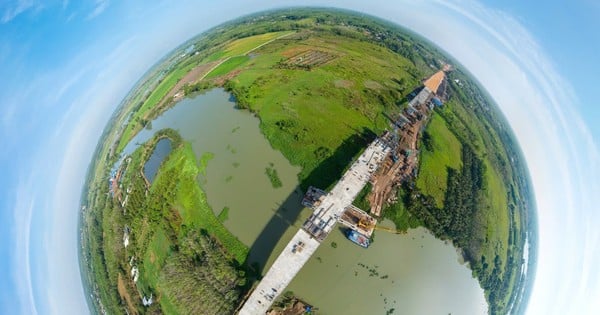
(65, 66)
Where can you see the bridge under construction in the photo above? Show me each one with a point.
(328, 208)
(336, 206)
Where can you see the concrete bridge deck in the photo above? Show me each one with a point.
(315, 229)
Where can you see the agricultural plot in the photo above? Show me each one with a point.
(308, 60)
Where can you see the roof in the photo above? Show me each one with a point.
(434, 81)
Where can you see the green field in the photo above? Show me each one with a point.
(227, 66)
(300, 110)
(245, 45)
(441, 152)
(138, 119)
(320, 115)
(234, 50)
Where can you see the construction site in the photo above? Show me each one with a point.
(404, 141)
(385, 163)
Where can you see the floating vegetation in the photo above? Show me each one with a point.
(273, 176)
(223, 215)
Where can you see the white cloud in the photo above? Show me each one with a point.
(99, 7)
(12, 10)
(77, 133)
(23, 213)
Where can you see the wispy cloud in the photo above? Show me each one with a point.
(99, 7)
(24, 206)
(12, 9)
(72, 143)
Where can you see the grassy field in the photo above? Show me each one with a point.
(138, 119)
(497, 229)
(191, 202)
(300, 110)
(440, 150)
(245, 45)
(234, 50)
(227, 66)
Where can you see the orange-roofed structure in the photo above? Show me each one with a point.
(433, 83)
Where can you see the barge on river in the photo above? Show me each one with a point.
(357, 238)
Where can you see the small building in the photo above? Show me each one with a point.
(147, 301)
(135, 273)
(126, 236)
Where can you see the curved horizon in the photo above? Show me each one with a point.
(48, 149)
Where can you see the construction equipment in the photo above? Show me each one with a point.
(365, 223)
(394, 144)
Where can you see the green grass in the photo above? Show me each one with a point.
(496, 207)
(156, 254)
(494, 219)
(300, 110)
(155, 97)
(235, 50)
(244, 45)
(361, 200)
(191, 201)
(398, 214)
(167, 306)
(442, 152)
(215, 56)
(227, 66)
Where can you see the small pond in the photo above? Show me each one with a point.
(160, 152)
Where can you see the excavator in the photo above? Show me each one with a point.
(365, 223)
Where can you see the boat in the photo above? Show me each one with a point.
(357, 238)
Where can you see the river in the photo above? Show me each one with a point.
(412, 273)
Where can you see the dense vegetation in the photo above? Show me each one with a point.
(174, 236)
(483, 209)
(323, 84)
(199, 278)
